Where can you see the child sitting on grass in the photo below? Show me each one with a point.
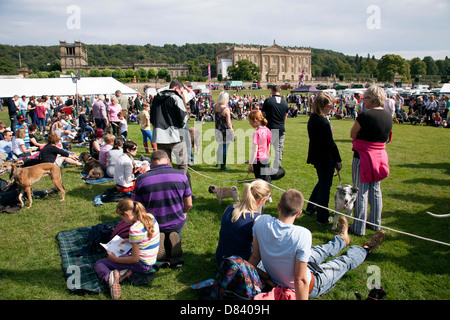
(144, 237)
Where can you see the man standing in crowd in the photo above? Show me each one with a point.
(13, 111)
(138, 103)
(166, 193)
(23, 106)
(275, 110)
(99, 113)
(123, 101)
(169, 117)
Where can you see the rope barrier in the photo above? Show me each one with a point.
(354, 218)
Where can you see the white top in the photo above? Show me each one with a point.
(16, 143)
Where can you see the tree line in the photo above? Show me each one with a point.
(44, 61)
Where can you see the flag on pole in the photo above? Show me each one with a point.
(302, 75)
(209, 79)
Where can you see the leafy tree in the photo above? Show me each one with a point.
(118, 73)
(42, 74)
(54, 74)
(418, 67)
(141, 73)
(163, 73)
(369, 66)
(95, 73)
(107, 72)
(245, 70)
(7, 67)
(151, 73)
(431, 65)
(129, 73)
(390, 64)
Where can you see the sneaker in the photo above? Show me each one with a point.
(123, 274)
(175, 245)
(343, 230)
(375, 241)
(162, 250)
(114, 286)
(225, 169)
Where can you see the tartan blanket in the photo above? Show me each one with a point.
(79, 270)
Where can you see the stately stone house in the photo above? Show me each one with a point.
(278, 64)
(74, 56)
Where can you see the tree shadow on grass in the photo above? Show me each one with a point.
(197, 267)
(440, 166)
(431, 182)
(88, 191)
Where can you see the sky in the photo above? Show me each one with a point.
(409, 28)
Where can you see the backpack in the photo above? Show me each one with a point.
(236, 280)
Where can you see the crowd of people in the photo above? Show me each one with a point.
(160, 196)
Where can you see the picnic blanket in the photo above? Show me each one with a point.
(79, 251)
(102, 180)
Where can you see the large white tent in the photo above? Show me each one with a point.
(62, 87)
(445, 89)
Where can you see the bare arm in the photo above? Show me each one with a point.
(355, 130)
(255, 257)
(187, 204)
(134, 258)
(301, 280)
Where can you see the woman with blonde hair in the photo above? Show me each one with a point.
(18, 144)
(370, 162)
(235, 236)
(323, 154)
(144, 239)
(224, 129)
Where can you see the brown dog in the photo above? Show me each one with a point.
(92, 168)
(195, 139)
(28, 176)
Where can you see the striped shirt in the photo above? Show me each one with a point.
(162, 191)
(148, 247)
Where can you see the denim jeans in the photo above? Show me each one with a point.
(222, 153)
(333, 270)
(41, 124)
(147, 135)
(83, 131)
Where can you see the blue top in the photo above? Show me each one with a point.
(279, 245)
(235, 238)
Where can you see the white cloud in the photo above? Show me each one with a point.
(405, 25)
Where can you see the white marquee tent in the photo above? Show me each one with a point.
(62, 87)
(445, 89)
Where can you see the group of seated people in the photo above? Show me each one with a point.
(25, 145)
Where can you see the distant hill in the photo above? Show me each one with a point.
(46, 58)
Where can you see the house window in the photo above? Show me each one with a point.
(71, 62)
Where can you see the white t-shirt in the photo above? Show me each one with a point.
(16, 143)
(279, 245)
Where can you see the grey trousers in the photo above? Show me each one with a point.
(369, 193)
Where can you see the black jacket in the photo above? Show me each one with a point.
(322, 151)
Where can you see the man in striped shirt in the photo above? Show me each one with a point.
(165, 193)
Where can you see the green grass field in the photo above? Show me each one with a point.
(410, 268)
